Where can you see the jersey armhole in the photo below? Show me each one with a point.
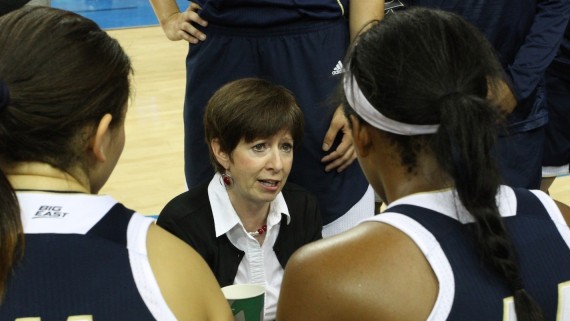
(555, 215)
(433, 252)
(142, 272)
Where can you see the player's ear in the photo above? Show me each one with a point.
(97, 143)
(360, 136)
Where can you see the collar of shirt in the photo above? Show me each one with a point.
(226, 218)
(447, 202)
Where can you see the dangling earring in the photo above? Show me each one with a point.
(227, 180)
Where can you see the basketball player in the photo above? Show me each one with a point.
(66, 252)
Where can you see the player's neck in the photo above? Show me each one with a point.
(42, 176)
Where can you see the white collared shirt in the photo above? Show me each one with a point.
(260, 264)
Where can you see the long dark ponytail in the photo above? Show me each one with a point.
(423, 66)
(476, 180)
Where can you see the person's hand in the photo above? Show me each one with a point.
(503, 97)
(179, 26)
(344, 154)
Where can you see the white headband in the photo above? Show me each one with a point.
(364, 109)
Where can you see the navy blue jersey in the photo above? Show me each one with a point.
(468, 289)
(83, 257)
(267, 13)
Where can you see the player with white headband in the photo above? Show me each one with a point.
(453, 243)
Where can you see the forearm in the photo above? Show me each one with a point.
(164, 9)
(362, 12)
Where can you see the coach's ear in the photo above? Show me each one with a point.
(222, 157)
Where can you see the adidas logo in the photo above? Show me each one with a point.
(393, 5)
(338, 69)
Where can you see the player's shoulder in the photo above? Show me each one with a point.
(184, 278)
(370, 259)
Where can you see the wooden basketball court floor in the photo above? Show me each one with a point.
(150, 171)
